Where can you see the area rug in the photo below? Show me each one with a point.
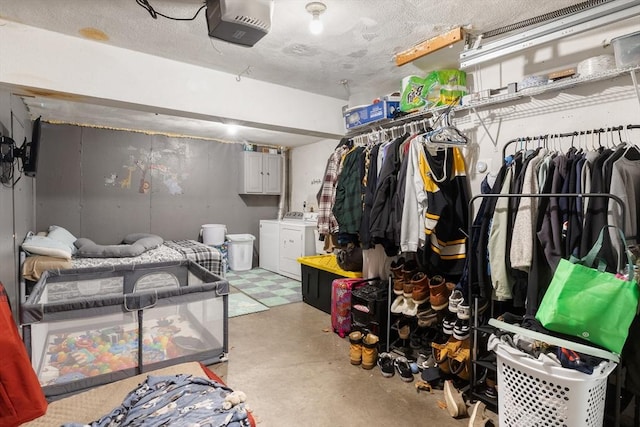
(268, 288)
(241, 304)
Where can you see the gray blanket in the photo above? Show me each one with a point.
(174, 400)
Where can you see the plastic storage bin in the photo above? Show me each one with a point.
(318, 272)
(86, 327)
(240, 248)
(533, 393)
(626, 50)
(213, 234)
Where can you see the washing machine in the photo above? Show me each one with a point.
(283, 242)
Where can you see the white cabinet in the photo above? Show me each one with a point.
(261, 173)
(269, 244)
(296, 240)
(283, 242)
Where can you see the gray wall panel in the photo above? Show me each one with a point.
(189, 182)
(115, 199)
(58, 186)
(16, 203)
(179, 183)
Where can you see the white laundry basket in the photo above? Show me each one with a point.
(213, 234)
(240, 251)
(534, 393)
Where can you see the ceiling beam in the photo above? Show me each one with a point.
(429, 46)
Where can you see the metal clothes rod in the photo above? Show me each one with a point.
(470, 230)
(565, 135)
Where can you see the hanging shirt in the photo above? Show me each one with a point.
(415, 202)
(327, 223)
(447, 188)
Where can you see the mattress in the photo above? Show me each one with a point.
(172, 250)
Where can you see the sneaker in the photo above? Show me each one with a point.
(420, 293)
(479, 417)
(387, 367)
(410, 308)
(464, 311)
(404, 369)
(448, 324)
(439, 293)
(404, 331)
(427, 318)
(490, 389)
(455, 299)
(455, 402)
(399, 305)
(461, 329)
(423, 360)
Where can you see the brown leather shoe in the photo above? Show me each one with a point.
(439, 293)
(420, 292)
(398, 276)
(409, 269)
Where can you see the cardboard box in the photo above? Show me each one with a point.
(369, 114)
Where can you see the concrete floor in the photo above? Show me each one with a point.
(296, 372)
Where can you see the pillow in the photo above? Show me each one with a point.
(87, 248)
(44, 245)
(134, 237)
(62, 235)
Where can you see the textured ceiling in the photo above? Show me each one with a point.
(358, 44)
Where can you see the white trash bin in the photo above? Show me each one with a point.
(240, 251)
(213, 234)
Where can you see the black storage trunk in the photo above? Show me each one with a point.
(316, 287)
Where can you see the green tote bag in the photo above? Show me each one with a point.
(591, 303)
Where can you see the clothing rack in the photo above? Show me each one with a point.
(410, 123)
(566, 135)
(568, 344)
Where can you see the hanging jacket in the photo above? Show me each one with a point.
(381, 211)
(415, 202)
(369, 184)
(550, 234)
(447, 187)
(521, 254)
(597, 210)
(482, 271)
(347, 208)
(501, 280)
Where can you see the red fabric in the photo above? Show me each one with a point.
(21, 397)
(212, 376)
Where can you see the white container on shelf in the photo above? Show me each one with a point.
(213, 234)
(240, 251)
(626, 50)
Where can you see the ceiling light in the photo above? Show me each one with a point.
(232, 129)
(316, 8)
